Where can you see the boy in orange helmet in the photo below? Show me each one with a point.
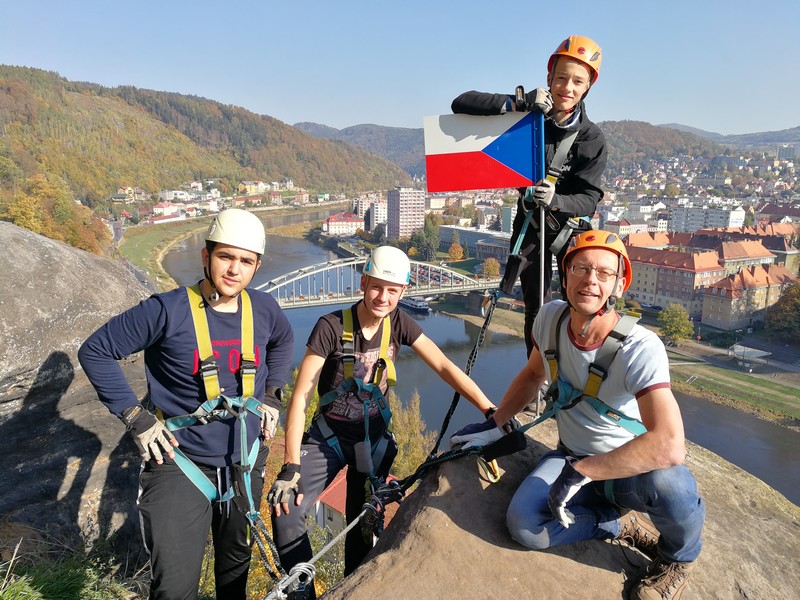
(571, 193)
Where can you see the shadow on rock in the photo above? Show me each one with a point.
(51, 457)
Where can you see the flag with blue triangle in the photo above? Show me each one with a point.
(467, 152)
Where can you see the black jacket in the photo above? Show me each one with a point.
(578, 189)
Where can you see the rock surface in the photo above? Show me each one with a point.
(449, 540)
(66, 468)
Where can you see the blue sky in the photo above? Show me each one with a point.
(725, 66)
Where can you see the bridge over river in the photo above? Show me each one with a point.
(338, 282)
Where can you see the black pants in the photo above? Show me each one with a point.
(319, 465)
(176, 518)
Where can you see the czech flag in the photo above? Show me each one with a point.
(467, 152)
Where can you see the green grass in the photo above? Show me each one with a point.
(143, 246)
(765, 396)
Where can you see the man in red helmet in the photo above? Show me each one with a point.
(621, 440)
(572, 192)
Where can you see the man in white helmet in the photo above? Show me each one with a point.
(210, 345)
(349, 359)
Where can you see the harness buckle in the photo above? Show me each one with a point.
(209, 367)
(247, 367)
(596, 369)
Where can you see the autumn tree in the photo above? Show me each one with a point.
(783, 318)
(675, 323)
(413, 442)
(491, 267)
(456, 251)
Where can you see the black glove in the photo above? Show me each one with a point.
(565, 487)
(151, 436)
(287, 484)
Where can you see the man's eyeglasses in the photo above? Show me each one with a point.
(584, 270)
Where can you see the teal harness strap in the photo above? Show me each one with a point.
(598, 371)
(202, 416)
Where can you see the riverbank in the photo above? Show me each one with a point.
(145, 246)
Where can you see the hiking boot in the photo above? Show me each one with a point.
(639, 532)
(663, 581)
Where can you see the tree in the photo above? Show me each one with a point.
(491, 267)
(783, 318)
(675, 323)
(413, 443)
(456, 251)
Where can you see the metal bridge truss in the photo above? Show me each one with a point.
(339, 281)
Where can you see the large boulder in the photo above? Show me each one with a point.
(449, 540)
(52, 297)
(67, 469)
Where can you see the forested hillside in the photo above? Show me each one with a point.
(635, 142)
(98, 139)
(400, 145)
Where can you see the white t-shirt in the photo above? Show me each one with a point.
(640, 365)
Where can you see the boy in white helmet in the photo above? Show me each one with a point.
(194, 350)
(336, 437)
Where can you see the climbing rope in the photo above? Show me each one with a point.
(302, 574)
(495, 296)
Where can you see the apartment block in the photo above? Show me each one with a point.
(405, 212)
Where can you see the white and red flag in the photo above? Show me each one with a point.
(467, 152)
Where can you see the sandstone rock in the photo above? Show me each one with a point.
(67, 468)
(53, 296)
(448, 540)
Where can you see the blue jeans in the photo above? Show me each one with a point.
(668, 496)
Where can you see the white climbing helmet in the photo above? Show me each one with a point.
(239, 228)
(390, 264)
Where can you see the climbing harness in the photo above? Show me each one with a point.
(369, 392)
(564, 396)
(218, 406)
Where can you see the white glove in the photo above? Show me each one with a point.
(539, 99)
(563, 489)
(270, 410)
(269, 420)
(151, 436)
(477, 434)
(543, 192)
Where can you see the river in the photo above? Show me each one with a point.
(764, 449)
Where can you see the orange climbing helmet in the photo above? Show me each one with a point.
(582, 49)
(597, 238)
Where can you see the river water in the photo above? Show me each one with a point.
(759, 447)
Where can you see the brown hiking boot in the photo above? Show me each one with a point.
(663, 581)
(639, 532)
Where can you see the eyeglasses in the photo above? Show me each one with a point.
(584, 270)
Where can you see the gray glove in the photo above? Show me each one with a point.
(543, 192)
(286, 485)
(151, 436)
(270, 411)
(539, 99)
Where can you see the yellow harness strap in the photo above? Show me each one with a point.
(348, 348)
(208, 366)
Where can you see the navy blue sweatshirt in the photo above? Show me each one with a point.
(162, 327)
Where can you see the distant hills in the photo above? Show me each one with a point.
(402, 146)
(628, 142)
(98, 139)
(746, 141)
